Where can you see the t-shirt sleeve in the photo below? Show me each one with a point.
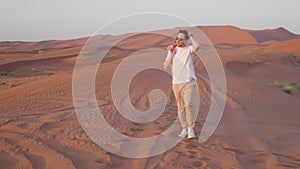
(168, 55)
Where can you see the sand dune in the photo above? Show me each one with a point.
(259, 128)
(228, 35)
(278, 34)
(288, 46)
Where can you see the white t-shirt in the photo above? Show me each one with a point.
(182, 67)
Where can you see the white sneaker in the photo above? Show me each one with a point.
(183, 133)
(191, 133)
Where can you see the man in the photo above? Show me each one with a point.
(180, 58)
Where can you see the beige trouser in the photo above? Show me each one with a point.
(184, 95)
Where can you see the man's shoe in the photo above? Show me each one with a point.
(191, 133)
(183, 133)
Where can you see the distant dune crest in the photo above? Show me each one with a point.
(228, 35)
(217, 34)
(278, 34)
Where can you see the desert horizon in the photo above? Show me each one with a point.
(270, 31)
(259, 127)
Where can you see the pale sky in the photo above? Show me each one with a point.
(35, 20)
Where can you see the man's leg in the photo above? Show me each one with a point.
(189, 91)
(180, 107)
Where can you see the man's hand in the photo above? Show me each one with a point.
(172, 49)
(171, 46)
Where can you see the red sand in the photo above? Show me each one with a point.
(259, 129)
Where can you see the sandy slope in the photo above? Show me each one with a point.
(259, 128)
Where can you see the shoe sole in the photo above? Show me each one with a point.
(181, 136)
(191, 137)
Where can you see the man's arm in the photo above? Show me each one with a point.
(194, 43)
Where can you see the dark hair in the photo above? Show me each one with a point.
(185, 32)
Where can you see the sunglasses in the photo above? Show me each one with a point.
(181, 39)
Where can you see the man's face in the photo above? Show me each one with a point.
(180, 40)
